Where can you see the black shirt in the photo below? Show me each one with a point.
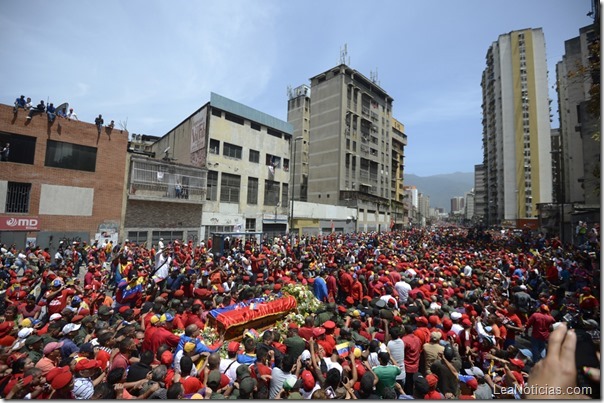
(137, 371)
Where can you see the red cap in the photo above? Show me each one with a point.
(85, 363)
(329, 324)
(517, 362)
(61, 380)
(432, 380)
(233, 347)
(277, 287)
(166, 358)
(349, 300)
(293, 325)
(308, 381)
(318, 331)
(179, 293)
(123, 309)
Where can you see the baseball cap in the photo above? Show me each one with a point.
(25, 332)
(469, 380)
(475, 371)
(85, 364)
(52, 346)
(517, 362)
(289, 383)
(527, 353)
(247, 385)
(33, 339)
(213, 379)
(71, 327)
(61, 380)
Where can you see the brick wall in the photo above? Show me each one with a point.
(150, 214)
(107, 180)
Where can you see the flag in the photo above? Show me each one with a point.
(343, 349)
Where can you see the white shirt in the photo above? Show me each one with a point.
(457, 328)
(403, 288)
(72, 115)
(467, 271)
(162, 269)
(397, 350)
(232, 368)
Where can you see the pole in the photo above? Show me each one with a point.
(291, 214)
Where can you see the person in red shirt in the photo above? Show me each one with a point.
(540, 322)
(513, 324)
(163, 334)
(306, 331)
(433, 394)
(57, 297)
(345, 284)
(356, 290)
(413, 350)
(122, 359)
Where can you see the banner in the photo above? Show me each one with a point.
(19, 223)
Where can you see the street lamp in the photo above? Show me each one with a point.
(291, 214)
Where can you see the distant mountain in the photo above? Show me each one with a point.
(441, 188)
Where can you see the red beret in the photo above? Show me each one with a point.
(277, 287)
(179, 293)
(61, 380)
(293, 325)
(349, 300)
(77, 318)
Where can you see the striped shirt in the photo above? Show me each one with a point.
(83, 388)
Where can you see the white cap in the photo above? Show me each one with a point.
(25, 332)
(56, 316)
(71, 327)
(455, 315)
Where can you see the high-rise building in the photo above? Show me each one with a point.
(457, 204)
(480, 202)
(397, 188)
(350, 145)
(580, 151)
(298, 115)
(516, 127)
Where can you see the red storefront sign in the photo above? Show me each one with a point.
(19, 223)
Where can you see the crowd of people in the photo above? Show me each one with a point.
(52, 112)
(440, 313)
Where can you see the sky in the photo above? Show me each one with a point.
(149, 64)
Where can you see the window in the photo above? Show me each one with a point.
(217, 112)
(138, 237)
(168, 236)
(255, 126)
(271, 193)
(254, 156)
(70, 156)
(17, 197)
(252, 190)
(273, 160)
(212, 191)
(231, 150)
(285, 164)
(273, 132)
(233, 118)
(22, 148)
(214, 146)
(229, 188)
(250, 224)
(285, 195)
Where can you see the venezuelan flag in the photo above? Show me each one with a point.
(343, 349)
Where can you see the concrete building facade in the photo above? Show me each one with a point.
(63, 181)
(480, 202)
(581, 152)
(247, 156)
(349, 145)
(516, 127)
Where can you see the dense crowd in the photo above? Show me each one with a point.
(441, 313)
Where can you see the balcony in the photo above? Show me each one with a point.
(157, 180)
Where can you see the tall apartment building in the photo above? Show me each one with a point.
(397, 187)
(457, 204)
(298, 115)
(349, 145)
(580, 152)
(247, 156)
(480, 193)
(469, 205)
(516, 127)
